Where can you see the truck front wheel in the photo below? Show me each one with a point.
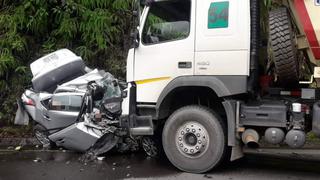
(194, 139)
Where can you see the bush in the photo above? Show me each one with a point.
(97, 30)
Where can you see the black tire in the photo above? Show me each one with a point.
(283, 47)
(210, 156)
(47, 143)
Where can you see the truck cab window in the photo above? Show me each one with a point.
(167, 21)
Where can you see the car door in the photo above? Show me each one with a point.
(166, 48)
(63, 110)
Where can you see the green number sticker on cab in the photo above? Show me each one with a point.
(218, 16)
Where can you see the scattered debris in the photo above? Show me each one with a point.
(149, 147)
(102, 145)
(207, 176)
(114, 164)
(128, 167)
(128, 175)
(18, 148)
(101, 158)
(37, 160)
(113, 169)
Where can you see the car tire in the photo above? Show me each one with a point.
(41, 135)
(190, 124)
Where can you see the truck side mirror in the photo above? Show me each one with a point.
(135, 38)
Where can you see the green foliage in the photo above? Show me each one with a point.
(98, 30)
(267, 3)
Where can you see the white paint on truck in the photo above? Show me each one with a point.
(214, 51)
(223, 51)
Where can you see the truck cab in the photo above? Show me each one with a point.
(193, 72)
(190, 39)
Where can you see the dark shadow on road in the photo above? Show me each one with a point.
(65, 165)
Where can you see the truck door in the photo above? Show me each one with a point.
(223, 38)
(166, 48)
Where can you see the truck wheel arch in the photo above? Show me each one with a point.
(221, 86)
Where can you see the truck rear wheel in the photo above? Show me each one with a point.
(283, 47)
(194, 139)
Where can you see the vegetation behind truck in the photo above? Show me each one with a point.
(195, 70)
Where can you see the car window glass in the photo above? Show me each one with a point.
(66, 103)
(75, 103)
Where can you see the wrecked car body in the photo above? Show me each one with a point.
(75, 107)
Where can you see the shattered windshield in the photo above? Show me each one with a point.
(110, 85)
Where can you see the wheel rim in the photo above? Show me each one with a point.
(149, 147)
(42, 138)
(192, 139)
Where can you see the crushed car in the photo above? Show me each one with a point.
(74, 107)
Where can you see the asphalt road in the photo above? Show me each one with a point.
(58, 165)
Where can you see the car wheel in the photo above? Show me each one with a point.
(42, 136)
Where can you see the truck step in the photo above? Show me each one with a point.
(141, 125)
(139, 131)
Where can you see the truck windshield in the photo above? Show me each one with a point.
(167, 21)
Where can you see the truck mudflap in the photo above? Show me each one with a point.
(316, 119)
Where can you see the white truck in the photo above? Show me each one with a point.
(193, 74)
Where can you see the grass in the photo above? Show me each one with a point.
(312, 138)
(15, 132)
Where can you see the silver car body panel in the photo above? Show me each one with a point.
(80, 83)
(77, 137)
